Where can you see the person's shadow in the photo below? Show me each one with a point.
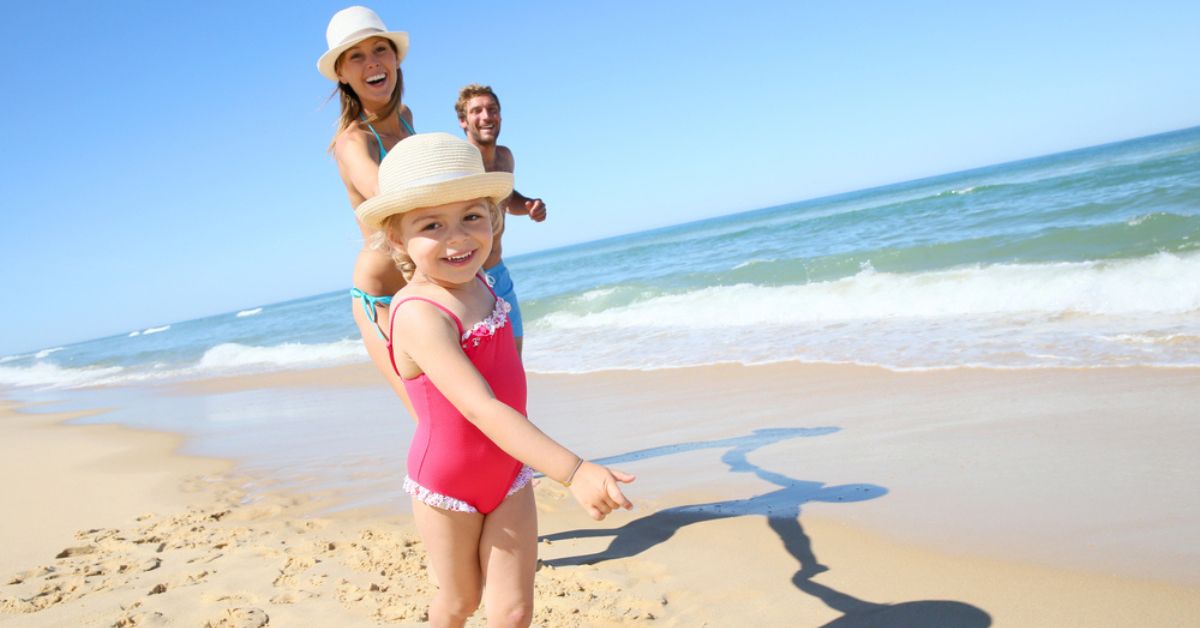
(781, 507)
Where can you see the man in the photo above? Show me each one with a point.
(478, 110)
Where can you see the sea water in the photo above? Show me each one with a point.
(1089, 258)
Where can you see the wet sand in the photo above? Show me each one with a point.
(778, 495)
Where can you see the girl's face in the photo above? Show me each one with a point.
(369, 68)
(447, 243)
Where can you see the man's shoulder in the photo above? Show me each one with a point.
(504, 159)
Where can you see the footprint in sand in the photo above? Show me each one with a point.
(141, 619)
(249, 617)
(77, 551)
(292, 570)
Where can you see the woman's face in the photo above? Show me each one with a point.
(370, 68)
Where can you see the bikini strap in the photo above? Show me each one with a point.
(382, 150)
(369, 304)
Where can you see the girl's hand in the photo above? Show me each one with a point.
(598, 490)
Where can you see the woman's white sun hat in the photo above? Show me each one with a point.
(427, 170)
(350, 26)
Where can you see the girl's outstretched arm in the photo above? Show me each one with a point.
(431, 340)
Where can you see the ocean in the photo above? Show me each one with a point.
(1089, 258)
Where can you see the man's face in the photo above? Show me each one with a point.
(482, 124)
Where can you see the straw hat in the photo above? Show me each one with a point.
(430, 169)
(350, 26)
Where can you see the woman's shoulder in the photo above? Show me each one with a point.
(351, 138)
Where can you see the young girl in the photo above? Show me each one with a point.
(364, 60)
(469, 461)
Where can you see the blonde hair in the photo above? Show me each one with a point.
(381, 240)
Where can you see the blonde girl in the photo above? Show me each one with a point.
(471, 459)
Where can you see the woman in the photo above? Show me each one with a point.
(364, 59)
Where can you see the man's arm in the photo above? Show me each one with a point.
(518, 204)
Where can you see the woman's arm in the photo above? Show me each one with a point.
(356, 164)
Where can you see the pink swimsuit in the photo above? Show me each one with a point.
(451, 463)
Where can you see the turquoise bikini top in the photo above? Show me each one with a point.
(382, 150)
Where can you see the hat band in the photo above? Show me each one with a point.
(359, 34)
(441, 178)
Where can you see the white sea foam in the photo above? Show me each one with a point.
(233, 355)
(1015, 315)
(1162, 284)
(223, 359)
(751, 262)
(1153, 339)
(47, 375)
(252, 312)
(134, 334)
(155, 330)
(9, 358)
(45, 352)
(593, 295)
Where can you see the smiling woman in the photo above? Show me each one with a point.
(364, 59)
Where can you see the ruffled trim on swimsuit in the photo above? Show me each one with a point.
(445, 502)
(488, 326)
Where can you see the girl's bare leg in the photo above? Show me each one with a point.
(377, 349)
(508, 558)
(452, 541)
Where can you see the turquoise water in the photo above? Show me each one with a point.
(1085, 258)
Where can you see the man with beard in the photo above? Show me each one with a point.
(478, 110)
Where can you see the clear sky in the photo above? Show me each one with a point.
(166, 160)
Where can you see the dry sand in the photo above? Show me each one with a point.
(958, 498)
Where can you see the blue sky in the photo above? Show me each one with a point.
(165, 161)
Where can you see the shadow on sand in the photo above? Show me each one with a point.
(781, 507)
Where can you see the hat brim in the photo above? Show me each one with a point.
(494, 185)
(325, 65)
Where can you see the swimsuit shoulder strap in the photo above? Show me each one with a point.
(382, 150)
(439, 306)
(392, 321)
(369, 303)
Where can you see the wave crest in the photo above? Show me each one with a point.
(233, 355)
(1160, 284)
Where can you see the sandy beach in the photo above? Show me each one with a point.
(778, 495)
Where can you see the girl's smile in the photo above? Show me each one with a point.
(460, 260)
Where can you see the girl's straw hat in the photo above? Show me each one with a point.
(430, 169)
(350, 26)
